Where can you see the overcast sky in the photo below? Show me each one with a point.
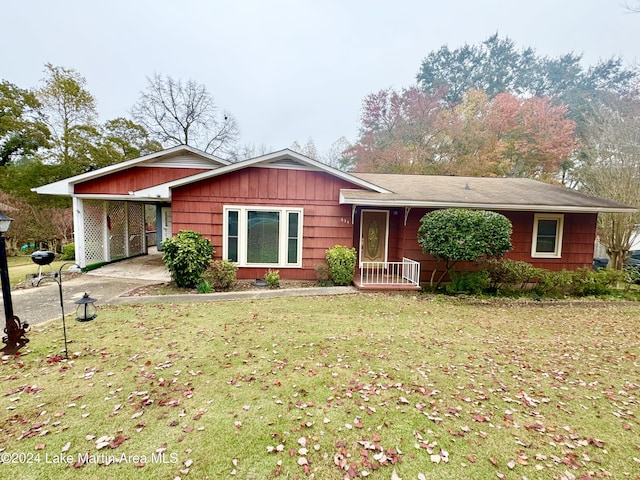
(288, 70)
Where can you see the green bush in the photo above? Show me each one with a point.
(461, 235)
(553, 284)
(221, 274)
(69, 252)
(272, 277)
(578, 283)
(505, 273)
(186, 256)
(469, 282)
(587, 282)
(631, 274)
(342, 264)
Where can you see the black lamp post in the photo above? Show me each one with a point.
(15, 331)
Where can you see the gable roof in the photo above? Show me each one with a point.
(281, 159)
(176, 157)
(496, 193)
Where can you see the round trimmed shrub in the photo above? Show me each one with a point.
(186, 256)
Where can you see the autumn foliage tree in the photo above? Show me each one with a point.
(399, 133)
(417, 132)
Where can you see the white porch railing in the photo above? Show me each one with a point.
(406, 272)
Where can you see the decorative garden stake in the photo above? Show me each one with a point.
(15, 330)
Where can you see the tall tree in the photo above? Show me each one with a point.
(497, 66)
(308, 150)
(119, 140)
(22, 129)
(399, 133)
(71, 115)
(510, 136)
(414, 132)
(611, 169)
(177, 113)
(337, 157)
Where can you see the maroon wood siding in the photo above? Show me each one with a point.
(199, 207)
(135, 178)
(577, 241)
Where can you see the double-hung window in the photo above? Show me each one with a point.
(263, 236)
(547, 235)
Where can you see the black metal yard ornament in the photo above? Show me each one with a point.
(15, 331)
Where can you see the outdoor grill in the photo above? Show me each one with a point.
(42, 257)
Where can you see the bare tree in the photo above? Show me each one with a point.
(632, 8)
(177, 113)
(612, 170)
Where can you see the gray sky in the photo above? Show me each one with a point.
(288, 70)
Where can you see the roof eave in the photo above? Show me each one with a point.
(485, 206)
(58, 188)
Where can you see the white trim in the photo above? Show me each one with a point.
(557, 251)
(482, 206)
(283, 239)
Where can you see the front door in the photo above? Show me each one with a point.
(374, 229)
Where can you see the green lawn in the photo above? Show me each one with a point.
(371, 385)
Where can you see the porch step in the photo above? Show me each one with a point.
(387, 287)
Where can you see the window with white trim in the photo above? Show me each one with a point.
(262, 236)
(547, 235)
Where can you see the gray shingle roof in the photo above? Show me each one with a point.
(432, 191)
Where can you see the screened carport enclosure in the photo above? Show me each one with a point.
(111, 230)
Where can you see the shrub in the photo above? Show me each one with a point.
(342, 264)
(631, 274)
(505, 272)
(469, 282)
(458, 234)
(581, 282)
(272, 277)
(587, 282)
(553, 284)
(221, 274)
(69, 252)
(186, 256)
(323, 275)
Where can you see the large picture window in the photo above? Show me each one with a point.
(263, 236)
(547, 236)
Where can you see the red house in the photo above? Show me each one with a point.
(284, 210)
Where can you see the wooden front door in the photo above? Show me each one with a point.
(374, 231)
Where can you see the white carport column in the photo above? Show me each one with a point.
(78, 232)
